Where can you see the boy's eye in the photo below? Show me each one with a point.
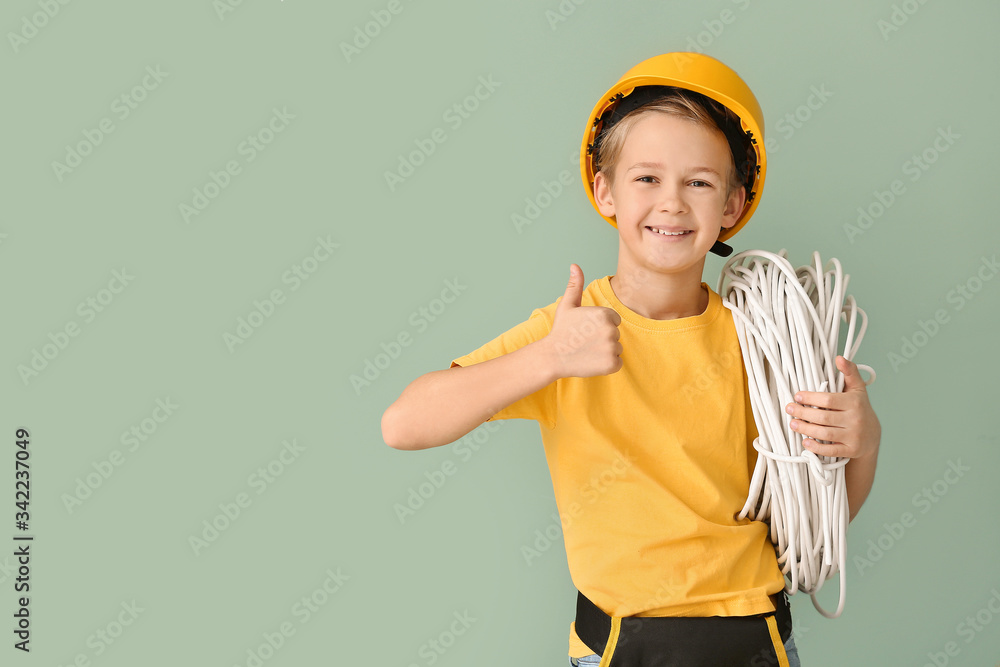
(700, 184)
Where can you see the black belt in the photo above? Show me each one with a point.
(685, 641)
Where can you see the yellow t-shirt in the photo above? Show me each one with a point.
(650, 466)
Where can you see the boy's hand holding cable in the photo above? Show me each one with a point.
(584, 339)
(845, 419)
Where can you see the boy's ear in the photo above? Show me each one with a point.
(730, 214)
(603, 196)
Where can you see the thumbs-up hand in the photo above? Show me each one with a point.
(584, 339)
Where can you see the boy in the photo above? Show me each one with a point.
(638, 386)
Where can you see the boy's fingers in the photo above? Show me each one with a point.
(832, 400)
(814, 415)
(574, 289)
(838, 450)
(852, 376)
(817, 431)
(820, 399)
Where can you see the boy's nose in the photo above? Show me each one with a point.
(671, 200)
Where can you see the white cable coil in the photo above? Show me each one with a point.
(788, 324)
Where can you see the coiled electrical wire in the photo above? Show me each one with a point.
(788, 324)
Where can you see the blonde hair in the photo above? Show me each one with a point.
(682, 104)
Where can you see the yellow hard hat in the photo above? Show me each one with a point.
(701, 74)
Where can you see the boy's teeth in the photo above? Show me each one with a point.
(660, 231)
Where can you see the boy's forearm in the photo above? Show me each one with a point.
(441, 406)
(859, 475)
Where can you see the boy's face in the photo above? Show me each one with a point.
(674, 191)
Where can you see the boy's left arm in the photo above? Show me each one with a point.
(847, 420)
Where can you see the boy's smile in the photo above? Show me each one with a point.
(669, 203)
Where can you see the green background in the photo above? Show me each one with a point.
(333, 506)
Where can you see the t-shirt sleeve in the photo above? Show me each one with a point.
(539, 405)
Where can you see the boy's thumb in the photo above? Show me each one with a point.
(574, 289)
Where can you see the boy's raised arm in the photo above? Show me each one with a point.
(441, 406)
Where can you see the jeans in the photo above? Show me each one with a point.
(790, 649)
